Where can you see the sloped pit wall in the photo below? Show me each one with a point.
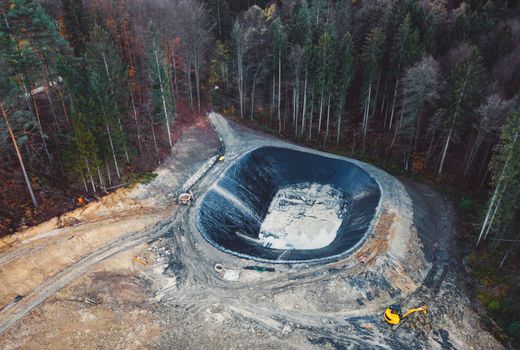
(233, 209)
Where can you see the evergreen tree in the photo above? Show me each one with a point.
(299, 25)
(8, 94)
(465, 88)
(304, 18)
(344, 80)
(430, 34)
(326, 64)
(77, 24)
(106, 80)
(372, 55)
(341, 15)
(503, 212)
(319, 13)
(84, 150)
(104, 54)
(36, 46)
(279, 42)
(296, 57)
(162, 98)
(406, 49)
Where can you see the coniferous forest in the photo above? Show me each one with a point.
(93, 94)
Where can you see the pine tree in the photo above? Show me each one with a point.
(405, 51)
(162, 98)
(8, 94)
(279, 42)
(503, 212)
(343, 82)
(296, 57)
(372, 54)
(33, 53)
(107, 86)
(299, 25)
(77, 24)
(466, 83)
(84, 155)
(302, 29)
(326, 64)
(102, 53)
(318, 9)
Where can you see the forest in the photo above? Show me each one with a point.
(93, 94)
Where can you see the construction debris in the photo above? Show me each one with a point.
(91, 301)
(259, 268)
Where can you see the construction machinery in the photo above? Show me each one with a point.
(394, 316)
(185, 198)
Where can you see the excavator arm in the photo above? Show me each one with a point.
(418, 309)
(393, 315)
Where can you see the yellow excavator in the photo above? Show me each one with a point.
(394, 316)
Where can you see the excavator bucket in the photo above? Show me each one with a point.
(393, 315)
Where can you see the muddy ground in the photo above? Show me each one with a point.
(133, 273)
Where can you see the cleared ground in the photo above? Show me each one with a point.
(141, 276)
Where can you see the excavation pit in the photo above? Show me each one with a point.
(281, 205)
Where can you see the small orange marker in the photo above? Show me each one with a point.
(142, 262)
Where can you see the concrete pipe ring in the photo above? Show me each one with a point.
(219, 268)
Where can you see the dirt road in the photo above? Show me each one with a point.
(133, 225)
(185, 304)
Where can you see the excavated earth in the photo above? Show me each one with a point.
(283, 247)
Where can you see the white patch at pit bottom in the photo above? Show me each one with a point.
(303, 216)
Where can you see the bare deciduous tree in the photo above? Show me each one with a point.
(191, 25)
(420, 85)
(490, 117)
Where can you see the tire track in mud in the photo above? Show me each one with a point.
(16, 311)
(202, 287)
(360, 327)
(21, 250)
(438, 240)
(243, 300)
(9, 317)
